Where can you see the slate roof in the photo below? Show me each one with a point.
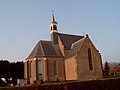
(76, 47)
(68, 40)
(37, 51)
(50, 49)
(45, 48)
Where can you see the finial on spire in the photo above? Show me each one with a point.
(53, 18)
(52, 12)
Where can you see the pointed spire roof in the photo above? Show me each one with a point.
(53, 18)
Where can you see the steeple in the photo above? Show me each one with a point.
(53, 18)
(53, 25)
(54, 30)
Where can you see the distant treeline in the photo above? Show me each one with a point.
(11, 71)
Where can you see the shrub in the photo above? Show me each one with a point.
(106, 84)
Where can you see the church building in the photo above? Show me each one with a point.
(64, 57)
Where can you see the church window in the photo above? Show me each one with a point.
(55, 68)
(30, 68)
(90, 59)
(40, 69)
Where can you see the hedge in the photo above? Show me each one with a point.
(107, 84)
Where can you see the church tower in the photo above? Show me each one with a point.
(54, 30)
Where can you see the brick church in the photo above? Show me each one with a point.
(64, 57)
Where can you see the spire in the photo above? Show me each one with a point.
(53, 18)
(53, 25)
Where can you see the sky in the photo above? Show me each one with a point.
(24, 22)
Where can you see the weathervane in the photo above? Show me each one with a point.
(53, 12)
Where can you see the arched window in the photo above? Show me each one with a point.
(90, 59)
(30, 69)
(55, 68)
(40, 69)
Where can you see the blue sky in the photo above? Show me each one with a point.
(24, 22)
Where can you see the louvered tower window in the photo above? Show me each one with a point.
(54, 27)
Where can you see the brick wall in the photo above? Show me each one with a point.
(26, 70)
(61, 69)
(71, 69)
(77, 67)
(61, 46)
(33, 75)
(84, 73)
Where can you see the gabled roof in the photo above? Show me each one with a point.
(68, 40)
(45, 48)
(37, 51)
(114, 69)
(76, 47)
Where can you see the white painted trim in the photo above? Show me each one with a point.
(53, 31)
(77, 42)
(35, 59)
(26, 60)
(45, 59)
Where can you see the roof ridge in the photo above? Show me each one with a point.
(45, 40)
(35, 50)
(37, 47)
(70, 34)
(42, 47)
